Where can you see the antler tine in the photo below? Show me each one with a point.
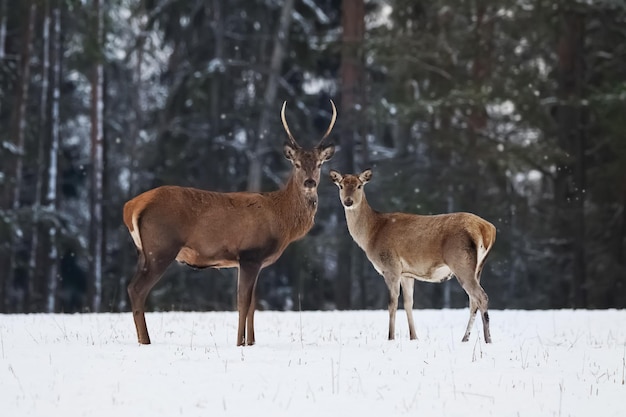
(333, 119)
(286, 126)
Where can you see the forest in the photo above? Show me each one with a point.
(514, 110)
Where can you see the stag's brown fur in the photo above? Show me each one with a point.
(206, 229)
(404, 247)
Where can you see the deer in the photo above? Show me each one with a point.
(405, 247)
(208, 229)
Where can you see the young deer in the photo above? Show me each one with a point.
(207, 229)
(404, 247)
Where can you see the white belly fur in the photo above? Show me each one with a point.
(440, 274)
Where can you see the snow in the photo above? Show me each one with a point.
(542, 363)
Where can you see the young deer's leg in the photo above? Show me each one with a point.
(248, 273)
(149, 271)
(486, 326)
(393, 284)
(485, 314)
(463, 265)
(470, 323)
(407, 295)
(478, 301)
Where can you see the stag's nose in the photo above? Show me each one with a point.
(310, 183)
(348, 202)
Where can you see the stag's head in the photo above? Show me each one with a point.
(308, 162)
(351, 187)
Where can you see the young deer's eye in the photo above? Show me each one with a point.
(341, 187)
(297, 164)
(359, 186)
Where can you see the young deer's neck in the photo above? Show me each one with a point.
(361, 221)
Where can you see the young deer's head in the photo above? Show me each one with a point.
(351, 187)
(307, 162)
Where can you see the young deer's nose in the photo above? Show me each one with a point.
(310, 183)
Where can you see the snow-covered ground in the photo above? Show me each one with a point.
(542, 363)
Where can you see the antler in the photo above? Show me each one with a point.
(333, 119)
(286, 126)
(292, 140)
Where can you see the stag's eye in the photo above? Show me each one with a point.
(319, 166)
(359, 187)
(341, 187)
(297, 164)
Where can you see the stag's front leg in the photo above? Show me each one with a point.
(393, 284)
(250, 340)
(245, 287)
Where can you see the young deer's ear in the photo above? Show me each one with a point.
(335, 176)
(365, 176)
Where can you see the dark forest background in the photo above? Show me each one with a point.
(513, 110)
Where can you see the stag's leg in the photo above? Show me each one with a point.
(250, 319)
(393, 284)
(407, 295)
(248, 273)
(149, 271)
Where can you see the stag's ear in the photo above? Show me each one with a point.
(289, 151)
(335, 176)
(327, 152)
(365, 176)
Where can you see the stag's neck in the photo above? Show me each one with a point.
(297, 207)
(362, 221)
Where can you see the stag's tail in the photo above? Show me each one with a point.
(131, 220)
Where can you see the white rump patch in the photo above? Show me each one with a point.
(135, 232)
(480, 254)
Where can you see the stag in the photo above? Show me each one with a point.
(406, 247)
(206, 229)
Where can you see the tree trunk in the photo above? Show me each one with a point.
(218, 79)
(217, 24)
(4, 280)
(3, 26)
(351, 73)
(260, 145)
(13, 187)
(570, 176)
(97, 166)
(33, 261)
(53, 156)
(481, 70)
(135, 128)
